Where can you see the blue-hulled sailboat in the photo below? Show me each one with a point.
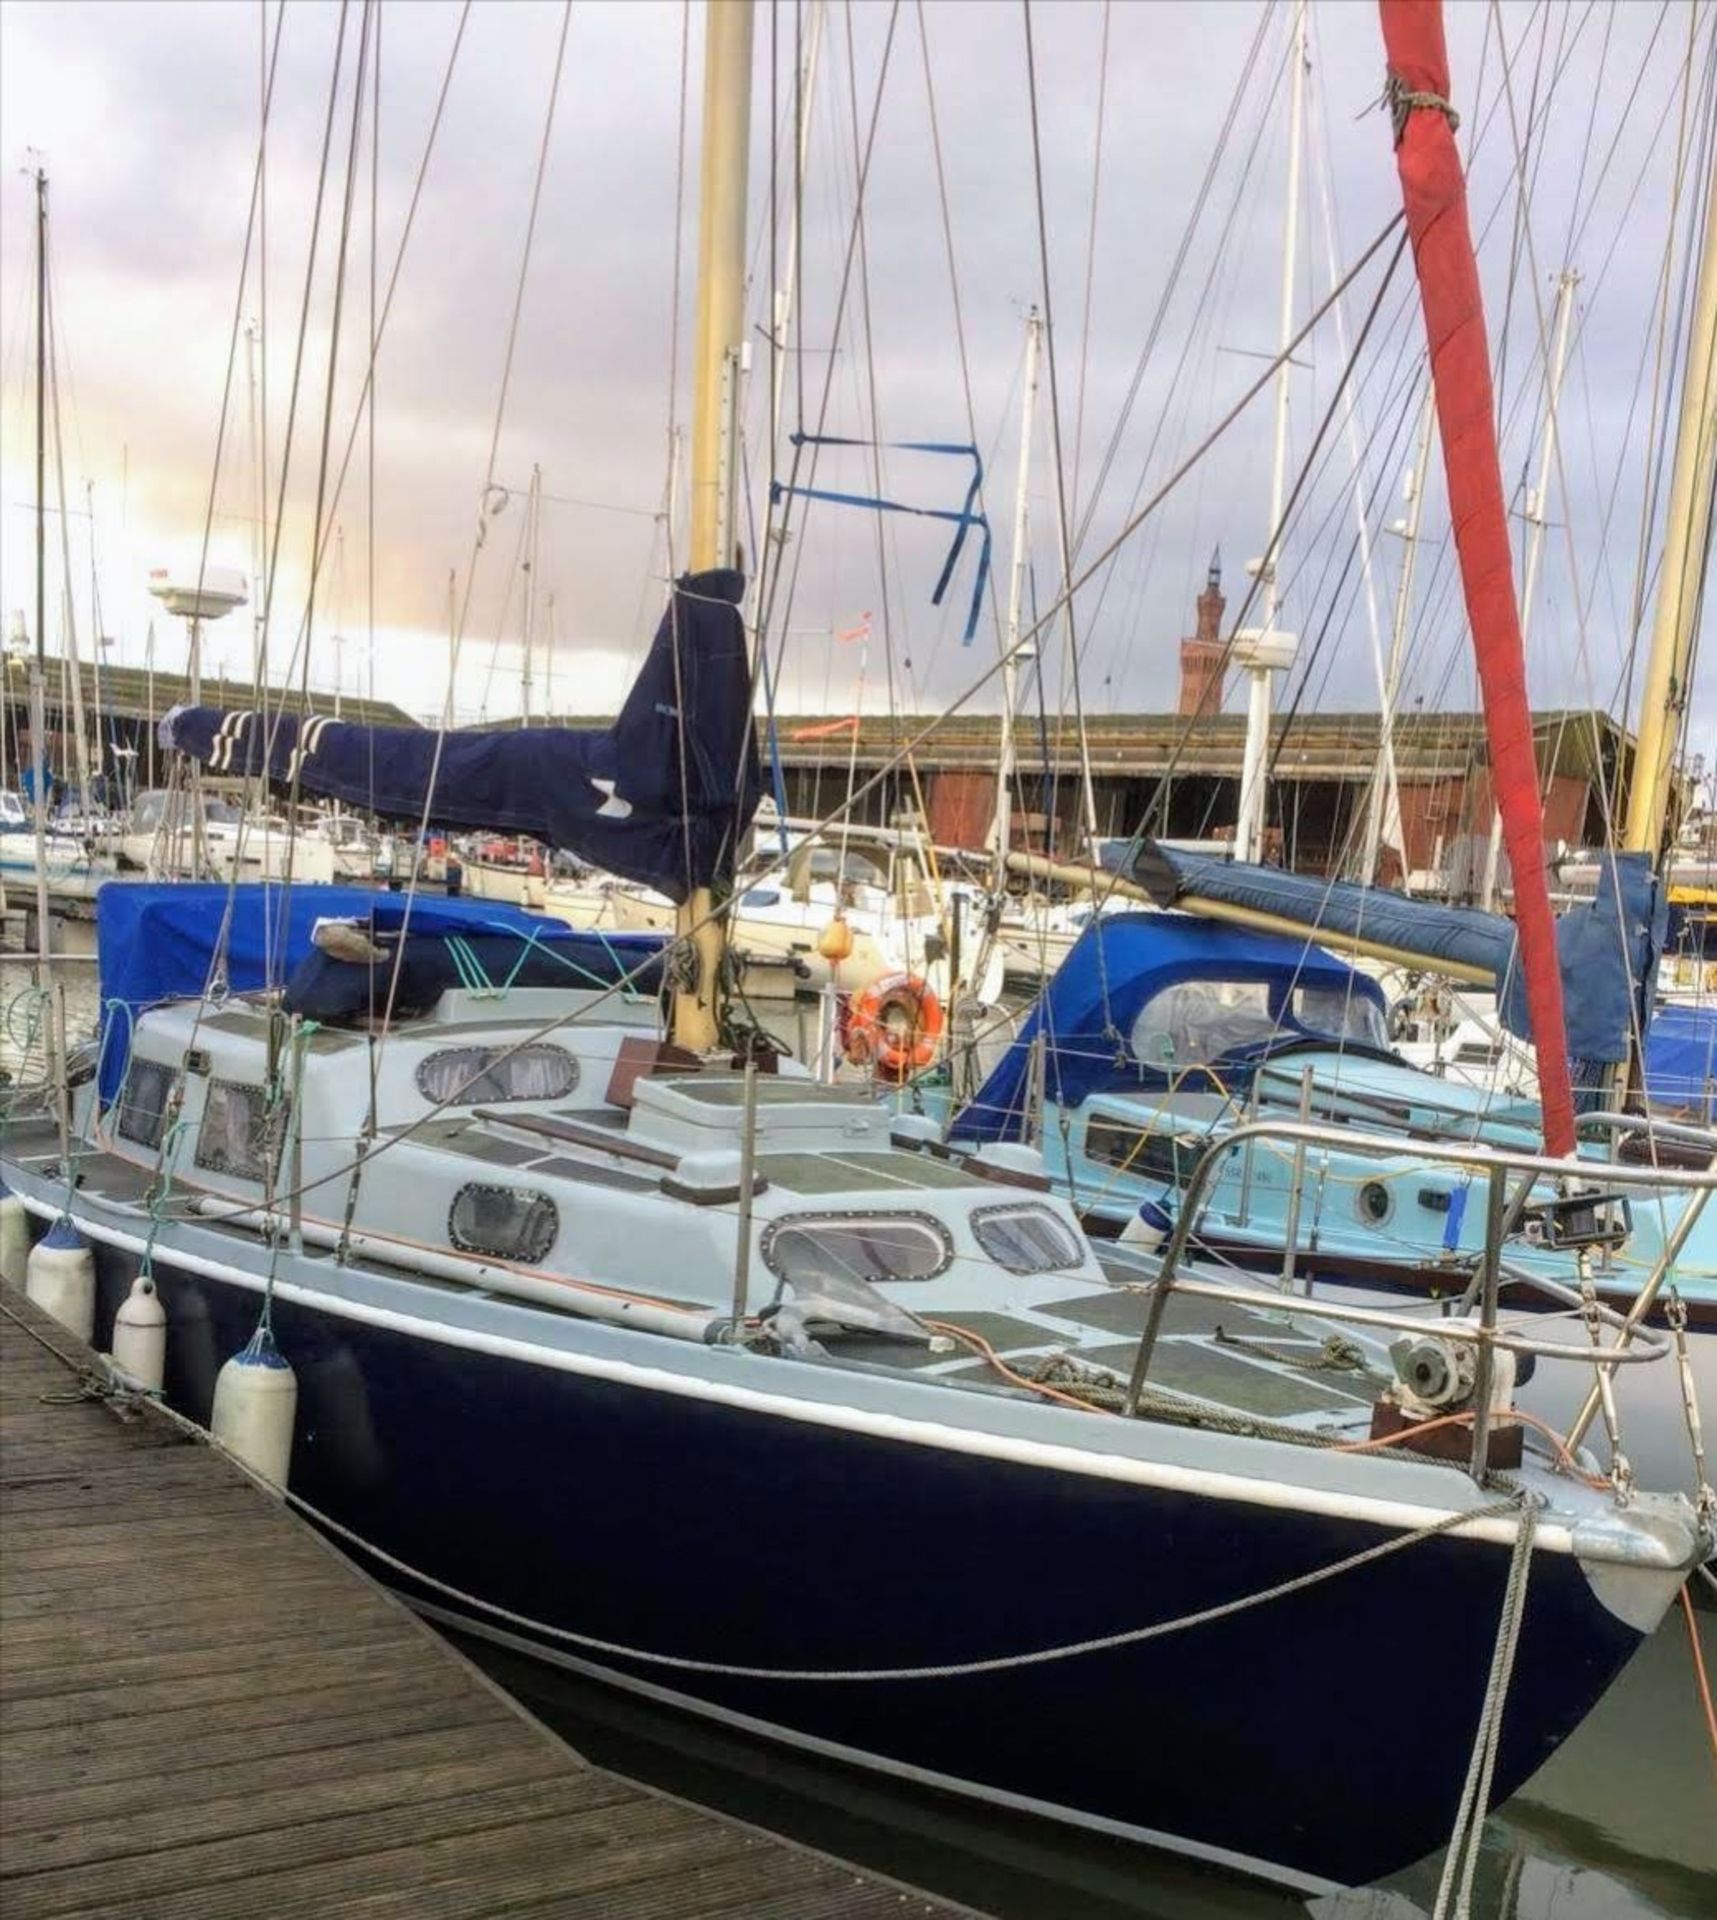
(723, 1387)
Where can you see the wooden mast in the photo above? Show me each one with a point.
(715, 376)
(1687, 525)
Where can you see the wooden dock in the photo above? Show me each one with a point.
(205, 1710)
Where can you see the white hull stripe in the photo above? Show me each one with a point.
(1164, 1476)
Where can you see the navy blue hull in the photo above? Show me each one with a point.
(1326, 1734)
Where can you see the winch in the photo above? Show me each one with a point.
(1436, 1375)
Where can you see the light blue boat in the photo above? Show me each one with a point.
(1163, 1033)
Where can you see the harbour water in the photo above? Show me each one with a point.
(1620, 1825)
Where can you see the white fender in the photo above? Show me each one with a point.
(60, 1277)
(14, 1237)
(1149, 1227)
(140, 1335)
(256, 1407)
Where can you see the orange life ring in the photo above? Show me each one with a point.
(895, 1024)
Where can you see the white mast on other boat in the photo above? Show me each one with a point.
(533, 544)
(1537, 500)
(1380, 801)
(1001, 830)
(1263, 650)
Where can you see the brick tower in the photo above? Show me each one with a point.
(1203, 656)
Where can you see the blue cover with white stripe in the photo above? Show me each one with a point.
(662, 796)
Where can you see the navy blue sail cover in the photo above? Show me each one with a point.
(159, 943)
(1609, 946)
(1117, 964)
(662, 796)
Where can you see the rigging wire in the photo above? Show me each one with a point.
(365, 31)
(456, 638)
(1063, 529)
(629, 978)
(1090, 256)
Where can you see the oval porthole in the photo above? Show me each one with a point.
(1374, 1203)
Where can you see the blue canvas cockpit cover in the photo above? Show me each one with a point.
(1121, 961)
(1681, 1062)
(159, 943)
(1608, 947)
(662, 796)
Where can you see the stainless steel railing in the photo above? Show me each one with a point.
(1634, 1345)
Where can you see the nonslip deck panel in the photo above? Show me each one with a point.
(204, 1709)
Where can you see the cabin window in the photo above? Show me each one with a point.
(512, 1223)
(810, 1248)
(237, 1130)
(1200, 1020)
(1027, 1239)
(1146, 1153)
(475, 1076)
(143, 1101)
(1343, 1013)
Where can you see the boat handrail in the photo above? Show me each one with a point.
(1497, 1163)
(594, 1139)
(1470, 1154)
(1616, 1123)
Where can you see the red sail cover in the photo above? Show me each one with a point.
(1435, 195)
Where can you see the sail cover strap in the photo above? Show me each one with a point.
(1434, 192)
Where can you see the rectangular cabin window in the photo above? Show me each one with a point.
(1027, 1239)
(143, 1101)
(511, 1222)
(1146, 1154)
(809, 1248)
(237, 1133)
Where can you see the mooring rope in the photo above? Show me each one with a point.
(1514, 1503)
(1460, 1863)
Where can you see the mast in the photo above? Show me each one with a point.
(1536, 501)
(716, 369)
(1382, 797)
(38, 676)
(533, 527)
(1087, 791)
(1434, 195)
(1262, 650)
(1002, 829)
(96, 642)
(69, 649)
(39, 659)
(339, 634)
(1687, 528)
(783, 309)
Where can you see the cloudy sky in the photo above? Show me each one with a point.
(1164, 303)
